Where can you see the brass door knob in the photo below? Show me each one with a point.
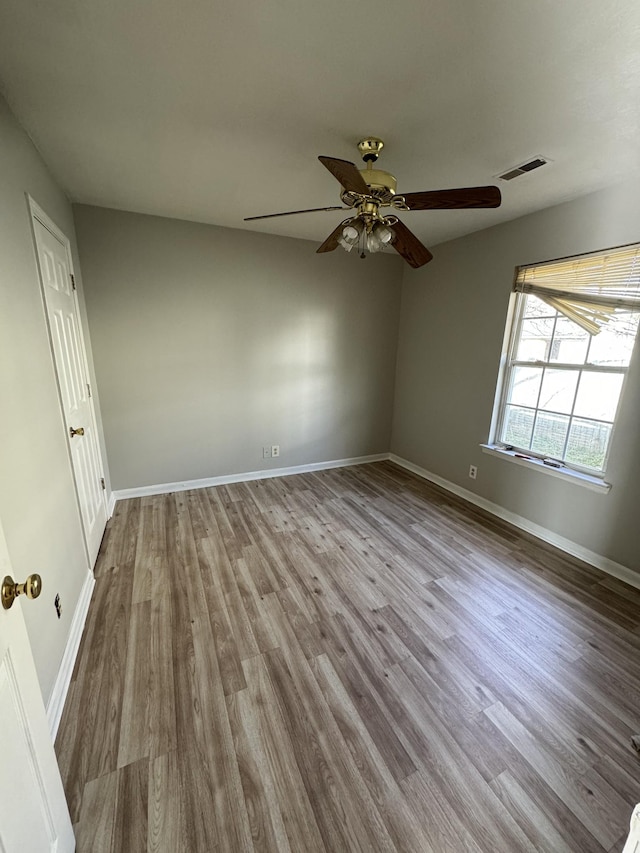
(32, 588)
(79, 431)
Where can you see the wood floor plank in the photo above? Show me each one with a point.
(229, 658)
(211, 756)
(534, 822)
(405, 827)
(294, 804)
(341, 816)
(144, 555)
(95, 829)
(441, 757)
(353, 675)
(485, 753)
(586, 730)
(347, 660)
(446, 832)
(528, 794)
(166, 831)
(135, 721)
(252, 602)
(78, 717)
(297, 614)
(162, 694)
(268, 831)
(130, 830)
(104, 688)
(463, 691)
(600, 810)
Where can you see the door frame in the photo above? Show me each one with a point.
(36, 213)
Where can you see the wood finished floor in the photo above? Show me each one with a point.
(343, 661)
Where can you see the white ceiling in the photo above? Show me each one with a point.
(213, 110)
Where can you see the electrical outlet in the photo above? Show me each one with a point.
(473, 471)
(58, 605)
(266, 453)
(275, 450)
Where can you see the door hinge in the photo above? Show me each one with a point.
(102, 483)
(73, 281)
(88, 389)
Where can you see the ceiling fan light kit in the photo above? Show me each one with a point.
(367, 190)
(350, 235)
(373, 236)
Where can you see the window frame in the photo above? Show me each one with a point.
(513, 329)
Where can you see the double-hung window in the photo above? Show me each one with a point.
(573, 332)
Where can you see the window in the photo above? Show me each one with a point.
(573, 332)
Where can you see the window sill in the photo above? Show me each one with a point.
(589, 482)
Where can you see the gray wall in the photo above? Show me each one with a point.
(451, 330)
(210, 343)
(38, 507)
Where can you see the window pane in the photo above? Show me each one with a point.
(570, 342)
(535, 340)
(559, 390)
(587, 445)
(614, 343)
(517, 427)
(598, 395)
(534, 307)
(525, 384)
(549, 434)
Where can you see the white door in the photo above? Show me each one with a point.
(73, 381)
(34, 817)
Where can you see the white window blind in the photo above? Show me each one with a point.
(588, 289)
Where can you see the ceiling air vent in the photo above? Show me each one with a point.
(529, 166)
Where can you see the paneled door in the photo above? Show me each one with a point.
(34, 817)
(73, 381)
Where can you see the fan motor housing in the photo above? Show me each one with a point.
(382, 184)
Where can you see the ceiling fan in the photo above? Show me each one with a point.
(368, 190)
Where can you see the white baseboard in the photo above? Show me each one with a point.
(207, 482)
(63, 679)
(619, 571)
(111, 504)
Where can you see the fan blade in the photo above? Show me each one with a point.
(407, 244)
(331, 242)
(454, 199)
(293, 212)
(347, 173)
